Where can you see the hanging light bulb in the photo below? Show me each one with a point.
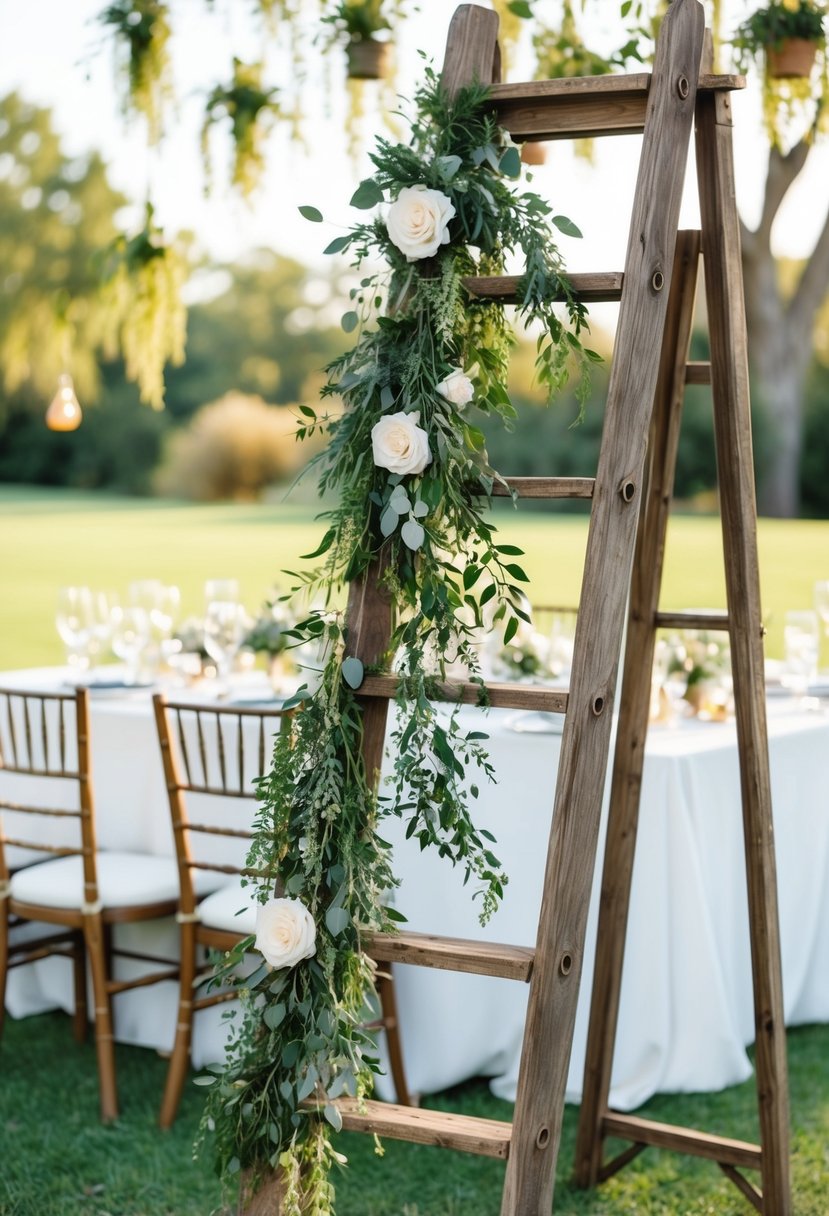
(64, 414)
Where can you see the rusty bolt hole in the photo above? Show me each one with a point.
(683, 87)
(658, 280)
(543, 1138)
(565, 965)
(598, 705)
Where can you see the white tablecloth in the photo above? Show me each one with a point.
(686, 1011)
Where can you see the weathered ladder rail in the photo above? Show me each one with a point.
(624, 553)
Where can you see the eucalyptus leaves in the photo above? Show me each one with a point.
(409, 468)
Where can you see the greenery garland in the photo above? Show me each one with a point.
(410, 468)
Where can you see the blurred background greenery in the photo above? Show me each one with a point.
(258, 334)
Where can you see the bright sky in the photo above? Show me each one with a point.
(53, 53)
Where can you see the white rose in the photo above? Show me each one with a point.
(399, 444)
(456, 388)
(285, 932)
(417, 221)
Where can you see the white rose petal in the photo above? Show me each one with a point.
(285, 932)
(457, 388)
(399, 444)
(418, 220)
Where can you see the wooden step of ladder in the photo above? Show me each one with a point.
(485, 1137)
(650, 364)
(451, 954)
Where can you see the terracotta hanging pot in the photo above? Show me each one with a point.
(794, 57)
(367, 59)
(533, 153)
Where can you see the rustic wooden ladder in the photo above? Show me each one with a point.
(624, 556)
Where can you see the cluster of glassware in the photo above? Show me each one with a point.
(140, 629)
(802, 630)
(691, 671)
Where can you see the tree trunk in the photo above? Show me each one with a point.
(779, 393)
(777, 383)
(780, 338)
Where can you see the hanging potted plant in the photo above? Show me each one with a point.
(356, 24)
(787, 34)
(787, 40)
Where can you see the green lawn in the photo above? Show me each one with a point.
(57, 1160)
(51, 538)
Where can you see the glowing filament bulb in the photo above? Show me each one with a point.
(64, 414)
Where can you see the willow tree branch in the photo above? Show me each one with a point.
(813, 286)
(782, 171)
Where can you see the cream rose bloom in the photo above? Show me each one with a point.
(285, 932)
(456, 388)
(417, 221)
(399, 444)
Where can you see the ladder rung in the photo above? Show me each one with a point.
(584, 106)
(501, 696)
(698, 373)
(486, 1137)
(545, 487)
(591, 288)
(692, 620)
(451, 954)
(682, 1139)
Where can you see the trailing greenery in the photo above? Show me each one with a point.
(144, 278)
(252, 111)
(408, 465)
(142, 33)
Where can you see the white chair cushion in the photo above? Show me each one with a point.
(124, 880)
(232, 908)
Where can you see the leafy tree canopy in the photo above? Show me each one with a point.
(56, 213)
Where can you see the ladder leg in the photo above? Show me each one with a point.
(729, 370)
(548, 1034)
(633, 710)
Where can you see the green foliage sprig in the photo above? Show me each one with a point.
(356, 19)
(779, 20)
(413, 481)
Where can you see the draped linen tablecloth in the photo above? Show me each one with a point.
(686, 1011)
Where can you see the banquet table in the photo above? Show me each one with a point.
(686, 1013)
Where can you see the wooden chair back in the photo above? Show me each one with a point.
(212, 756)
(45, 736)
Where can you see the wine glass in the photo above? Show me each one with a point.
(146, 594)
(801, 639)
(130, 635)
(73, 619)
(822, 604)
(102, 605)
(225, 590)
(163, 617)
(224, 628)
(561, 635)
